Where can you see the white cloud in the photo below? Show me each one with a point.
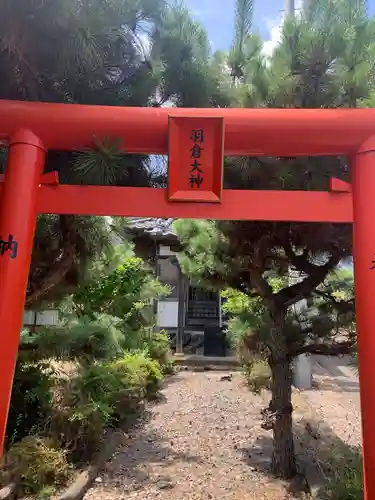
(275, 27)
(144, 43)
(196, 12)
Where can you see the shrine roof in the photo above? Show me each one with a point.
(154, 228)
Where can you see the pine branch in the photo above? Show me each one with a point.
(243, 22)
(341, 305)
(317, 274)
(55, 276)
(333, 349)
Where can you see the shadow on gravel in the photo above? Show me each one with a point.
(327, 385)
(335, 467)
(323, 461)
(129, 468)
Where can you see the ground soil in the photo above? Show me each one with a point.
(327, 418)
(202, 441)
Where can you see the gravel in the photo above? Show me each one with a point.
(327, 418)
(336, 401)
(202, 441)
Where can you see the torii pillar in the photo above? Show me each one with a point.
(26, 159)
(363, 188)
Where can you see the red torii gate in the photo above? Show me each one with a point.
(31, 129)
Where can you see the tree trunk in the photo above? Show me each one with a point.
(283, 457)
(56, 275)
(280, 409)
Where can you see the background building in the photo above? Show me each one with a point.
(192, 315)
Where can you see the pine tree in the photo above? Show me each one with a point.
(325, 59)
(104, 52)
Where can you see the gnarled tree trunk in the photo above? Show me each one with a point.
(56, 274)
(283, 457)
(280, 409)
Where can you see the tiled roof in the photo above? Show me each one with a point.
(151, 227)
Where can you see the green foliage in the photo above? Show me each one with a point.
(243, 22)
(184, 62)
(112, 256)
(347, 483)
(127, 292)
(157, 345)
(95, 389)
(125, 281)
(105, 386)
(36, 462)
(76, 43)
(112, 52)
(205, 248)
(101, 395)
(138, 372)
(64, 247)
(31, 399)
(331, 313)
(248, 323)
(257, 374)
(334, 306)
(82, 338)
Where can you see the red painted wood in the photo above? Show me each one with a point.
(19, 193)
(50, 178)
(248, 132)
(363, 179)
(272, 132)
(195, 159)
(339, 186)
(309, 206)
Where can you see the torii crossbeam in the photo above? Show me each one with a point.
(196, 140)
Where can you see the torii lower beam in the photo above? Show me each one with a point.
(298, 206)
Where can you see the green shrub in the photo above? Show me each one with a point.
(158, 348)
(86, 406)
(99, 396)
(83, 338)
(139, 373)
(258, 375)
(126, 292)
(96, 383)
(35, 462)
(348, 481)
(31, 399)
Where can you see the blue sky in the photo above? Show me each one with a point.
(217, 17)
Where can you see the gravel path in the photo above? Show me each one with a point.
(202, 441)
(327, 419)
(335, 398)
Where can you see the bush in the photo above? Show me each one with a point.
(35, 462)
(99, 396)
(126, 292)
(258, 375)
(82, 338)
(248, 324)
(31, 399)
(158, 348)
(348, 481)
(85, 405)
(139, 374)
